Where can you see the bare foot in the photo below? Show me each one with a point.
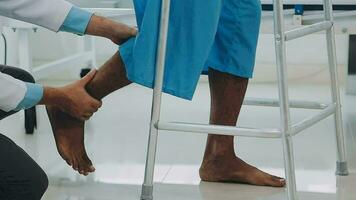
(69, 135)
(233, 169)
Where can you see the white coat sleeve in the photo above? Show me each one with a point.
(49, 14)
(12, 91)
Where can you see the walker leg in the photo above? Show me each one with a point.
(147, 187)
(341, 164)
(284, 100)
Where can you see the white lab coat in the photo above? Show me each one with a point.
(46, 13)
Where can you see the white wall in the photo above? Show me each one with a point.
(309, 50)
(306, 59)
(305, 56)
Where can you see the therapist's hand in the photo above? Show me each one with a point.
(73, 98)
(115, 31)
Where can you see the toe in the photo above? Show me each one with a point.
(81, 170)
(276, 181)
(83, 166)
(75, 164)
(277, 177)
(90, 168)
(281, 180)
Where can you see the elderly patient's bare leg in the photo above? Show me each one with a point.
(220, 164)
(69, 132)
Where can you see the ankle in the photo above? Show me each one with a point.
(219, 150)
(212, 159)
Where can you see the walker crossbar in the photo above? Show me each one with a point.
(245, 131)
(298, 127)
(275, 103)
(307, 30)
(287, 129)
(219, 130)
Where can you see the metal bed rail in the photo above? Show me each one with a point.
(275, 103)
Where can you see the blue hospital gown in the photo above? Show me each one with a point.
(220, 34)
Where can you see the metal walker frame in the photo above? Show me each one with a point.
(287, 130)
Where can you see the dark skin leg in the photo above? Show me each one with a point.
(110, 77)
(220, 164)
(69, 132)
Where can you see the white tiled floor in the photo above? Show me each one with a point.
(116, 139)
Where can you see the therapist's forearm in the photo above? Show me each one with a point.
(99, 26)
(51, 96)
(117, 32)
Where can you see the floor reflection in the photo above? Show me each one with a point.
(117, 139)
